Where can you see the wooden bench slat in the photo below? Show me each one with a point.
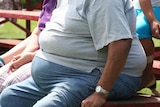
(20, 14)
(156, 64)
(156, 68)
(9, 43)
(139, 100)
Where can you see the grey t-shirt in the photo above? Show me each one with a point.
(79, 32)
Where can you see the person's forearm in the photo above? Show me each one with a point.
(32, 43)
(29, 44)
(7, 57)
(117, 55)
(147, 10)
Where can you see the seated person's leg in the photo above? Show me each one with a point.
(19, 75)
(25, 94)
(3, 75)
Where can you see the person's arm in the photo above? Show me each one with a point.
(146, 7)
(30, 44)
(117, 52)
(20, 60)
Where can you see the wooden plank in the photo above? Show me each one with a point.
(139, 100)
(156, 63)
(9, 43)
(157, 53)
(20, 14)
(156, 68)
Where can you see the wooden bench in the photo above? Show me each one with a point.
(138, 100)
(26, 15)
(31, 12)
(19, 14)
(156, 63)
(9, 43)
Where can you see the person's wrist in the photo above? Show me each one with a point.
(99, 89)
(102, 95)
(2, 61)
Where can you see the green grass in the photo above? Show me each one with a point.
(156, 42)
(8, 30)
(148, 91)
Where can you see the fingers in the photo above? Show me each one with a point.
(16, 57)
(11, 68)
(86, 104)
(13, 64)
(156, 30)
(83, 103)
(157, 33)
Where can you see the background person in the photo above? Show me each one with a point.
(18, 59)
(148, 26)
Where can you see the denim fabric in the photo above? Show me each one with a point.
(59, 86)
(54, 86)
(124, 87)
(142, 25)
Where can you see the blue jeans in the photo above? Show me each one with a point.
(53, 85)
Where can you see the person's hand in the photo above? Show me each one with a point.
(95, 100)
(20, 60)
(155, 29)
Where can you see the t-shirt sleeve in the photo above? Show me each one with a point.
(107, 22)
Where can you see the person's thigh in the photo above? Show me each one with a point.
(66, 87)
(125, 87)
(23, 94)
(71, 92)
(19, 75)
(3, 75)
(58, 86)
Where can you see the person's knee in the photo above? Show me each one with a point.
(6, 94)
(59, 98)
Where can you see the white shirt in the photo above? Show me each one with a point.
(80, 30)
